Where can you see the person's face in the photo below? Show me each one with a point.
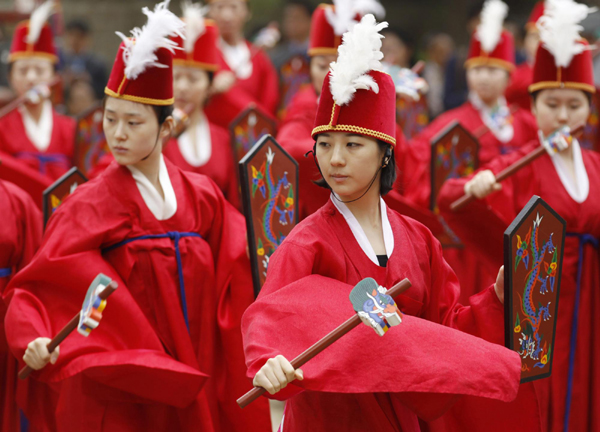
(29, 72)
(190, 85)
(131, 130)
(230, 16)
(296, 23)
(349, 162)
(555, 108)
(81, 97)
(76, 41)
(531, 43)
(395, 52)
(319, 66)
(488, 82)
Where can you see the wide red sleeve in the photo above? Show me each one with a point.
(289, 317)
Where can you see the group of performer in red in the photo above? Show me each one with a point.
(184, 336)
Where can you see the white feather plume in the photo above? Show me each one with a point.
(139, 51)
(359, 53)
(489, 31)
(364, 7)
(342, 16)
(193, 14)
(38, 20)
(559, 29)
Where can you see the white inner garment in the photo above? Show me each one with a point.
(359, 233)
(238, 58)
(162, 209)
(579, 187)
(197, 154)
(500, 122)
(39, 133)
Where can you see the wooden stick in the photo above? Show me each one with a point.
(510, 170)
(322, 344)
(182, 119)
(9, 107)
(418, 67)
(483, 129)
(68, 329)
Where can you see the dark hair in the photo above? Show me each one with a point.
(536, 93)
(304, 4)
(162, 111)
(388, 173)
(78, 25)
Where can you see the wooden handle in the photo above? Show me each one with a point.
(512, 169)
(418, 67)
(68, 329)
(22, 99)
(322, 344)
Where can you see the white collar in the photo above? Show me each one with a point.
(39, 133)
(502, 130)
(579, 187)
(162, 209)
(199, 154)
(238, 58)
(359, 234)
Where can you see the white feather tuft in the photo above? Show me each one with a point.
(38, 20)
(342, 16)
(139, 51)
(364, 7)
(359, 53)
(193, 15)
(489, 31)
(559, 29)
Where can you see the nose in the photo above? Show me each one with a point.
(120, 134)
(31, 76)
(337, 156)
(563, 115)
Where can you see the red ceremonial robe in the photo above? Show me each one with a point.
(219, 167)
(140, 369)
(261, 88)
(517, 91)
(577, 327)
(31, 181)
(416, 179)
(295, 137)
(20, 237)
(53, 162)
(365, 382)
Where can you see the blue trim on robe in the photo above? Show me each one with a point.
(5, 272)
(45, 158)
(175, 236)
(583, 240)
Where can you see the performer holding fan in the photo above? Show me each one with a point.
(568, 179)
(168, 355)
(363, 382)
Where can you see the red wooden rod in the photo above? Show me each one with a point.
(322, 344)
(510, 170)
(22, 99)
(418, 67)
(68, 329)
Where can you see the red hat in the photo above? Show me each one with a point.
(326, 30)
(536, 14)
(491, 45)
(143, 71)
(563, 59)
(33, 38)
(199, 49)
(355, 98)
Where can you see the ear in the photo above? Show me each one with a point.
(167, 127)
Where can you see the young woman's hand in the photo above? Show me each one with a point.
(37, 355)
(483, 184)
(499, 285)
(276, 374)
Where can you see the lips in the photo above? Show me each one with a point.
(120, 149)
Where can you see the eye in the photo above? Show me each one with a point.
(353, 144)
(323, 144)
(108, 119)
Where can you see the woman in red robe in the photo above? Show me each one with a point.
(20, 237)
(34, 132)
(204, 147)
(247, 75)
(568, 179)
(168, 353)
(423, 365)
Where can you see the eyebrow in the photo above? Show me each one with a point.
(130, 114)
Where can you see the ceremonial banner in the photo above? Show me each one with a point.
(59, 190)
(454, 154)
(250, 126)
(412, 116)
(533, 255)
(591, 133)
(90, 144)
(269, 182)
(294, 74)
